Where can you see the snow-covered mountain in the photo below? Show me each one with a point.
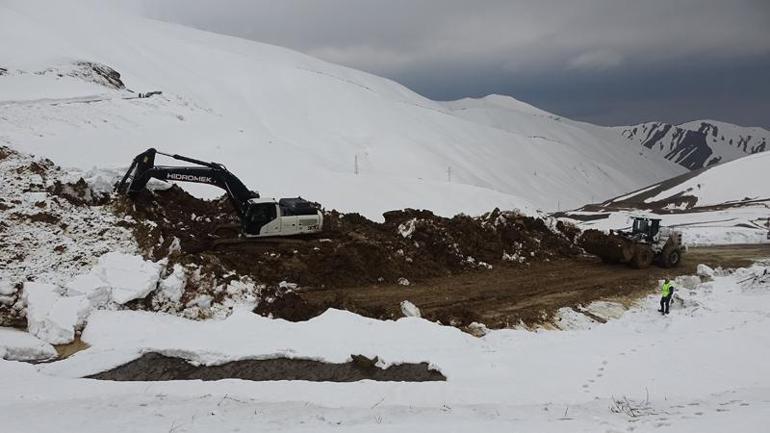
(736, 183)
(286, 123)
(691, 145)
(699, 143)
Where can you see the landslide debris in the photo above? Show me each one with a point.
(410, 245)
(51, 228)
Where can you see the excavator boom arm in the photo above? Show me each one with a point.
(143, 169)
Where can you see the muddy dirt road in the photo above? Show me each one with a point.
(503, 296)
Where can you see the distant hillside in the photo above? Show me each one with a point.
(723, 204)
(739, 183)
(700, 143)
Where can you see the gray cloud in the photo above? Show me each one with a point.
(451, 48)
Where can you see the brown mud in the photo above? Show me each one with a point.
(157, 367)
(501, 269)
(505, 296)
(352, 251)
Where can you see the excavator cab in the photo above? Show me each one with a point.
(257, 216)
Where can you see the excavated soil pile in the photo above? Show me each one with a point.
(352, 251)
(157, 367)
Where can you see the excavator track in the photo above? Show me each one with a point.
(267, 242)
(229, 236)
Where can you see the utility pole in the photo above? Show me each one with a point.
(355, 164)
(449, 174)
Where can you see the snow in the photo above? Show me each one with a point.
(605, 309)
(571, 319)
(50, 316)
(129, 277)
(246, 333)
(57, 250)
(55, 311)
(6, 288)
(701, 368)
(406, 230)
(16, 345)
(408, 309)
(172, 287)
(748, 176)
(705, 271)
(698, 143)
(120, 278)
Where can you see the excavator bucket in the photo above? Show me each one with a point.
(141, 163)
(610, 248)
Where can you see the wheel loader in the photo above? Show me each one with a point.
(645, 243)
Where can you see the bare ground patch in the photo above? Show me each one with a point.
(157, 367)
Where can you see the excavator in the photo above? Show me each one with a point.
(259, 217)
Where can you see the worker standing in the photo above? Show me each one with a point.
(666, 292)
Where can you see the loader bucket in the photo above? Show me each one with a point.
(610, 248)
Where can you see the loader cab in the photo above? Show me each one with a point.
(646, 228)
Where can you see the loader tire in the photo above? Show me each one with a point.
(671, 257)
(643, 257)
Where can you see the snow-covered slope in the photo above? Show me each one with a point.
(726, 203)
(699, 143)
(287, 123)
(737, 182)
(701, 369)
(691, 145)
(552, 131)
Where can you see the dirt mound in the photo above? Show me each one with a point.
(157, 367)
(411, 245)
(79, 193)
(5, 152)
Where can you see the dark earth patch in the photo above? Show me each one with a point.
(157, 367)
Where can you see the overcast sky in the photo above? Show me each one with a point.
(605, 61)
